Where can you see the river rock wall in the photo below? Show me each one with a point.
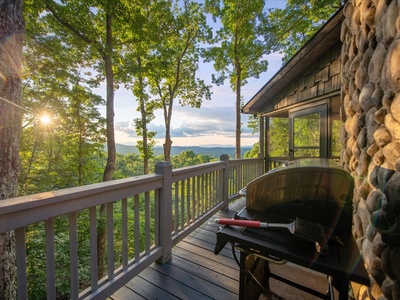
(371, 137)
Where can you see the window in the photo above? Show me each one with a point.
(308, 132)
(306, 137)
(278, 141)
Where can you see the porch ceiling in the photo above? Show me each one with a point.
(322, 40)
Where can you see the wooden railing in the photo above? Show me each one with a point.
(143, 217)
(274, 162)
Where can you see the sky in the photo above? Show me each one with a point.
(211, 125)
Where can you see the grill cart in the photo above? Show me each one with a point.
(317, 194)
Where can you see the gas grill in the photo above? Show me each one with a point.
(317, 191)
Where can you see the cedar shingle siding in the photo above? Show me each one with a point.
(320, 78)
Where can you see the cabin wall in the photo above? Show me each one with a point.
(321, 78)
(371, 137)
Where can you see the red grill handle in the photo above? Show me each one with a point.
(245, 223)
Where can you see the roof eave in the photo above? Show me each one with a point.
(324, 38)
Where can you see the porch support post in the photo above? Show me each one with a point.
(267, 142)
(262, 138)
(164, 214)
(225, 181)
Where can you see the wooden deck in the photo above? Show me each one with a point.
(195, 272)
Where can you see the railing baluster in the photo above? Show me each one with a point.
(234, 180)
(225, 175)
(125, 248)
(237, 179)
(206, 191)
(220, 190)
(209, 190)
(73, 255)
(203, 191)
(147, 221)
(176, 205)
(20, 244)
(231, 179)
(157, 211)
(93, 249)
(240, 177)
(246, 171)
(50, 264)
(214, 188)
(181, 199)
(136, 222)
(198, 196)
(110, 240)
(195, 200)
(188, 216)
(218, 187)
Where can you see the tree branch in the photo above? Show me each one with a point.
(49, 5)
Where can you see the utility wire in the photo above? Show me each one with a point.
(19, 106)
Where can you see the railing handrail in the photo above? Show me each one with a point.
(187, 172)
(26, 210)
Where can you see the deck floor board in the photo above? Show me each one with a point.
(195, 272)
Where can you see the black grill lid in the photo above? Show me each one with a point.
(316, 189)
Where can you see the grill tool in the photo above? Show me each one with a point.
(302, 228)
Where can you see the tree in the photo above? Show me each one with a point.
(89, 27)
(242, 41)
(254, 124)
(189, 158)
(146, 108)
(249, 32)
(298, 21)
(11, 38)
(175, 62)
(278, 137)
(65, 146)
(253, 152)
(146, 29)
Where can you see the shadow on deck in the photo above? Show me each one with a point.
(195, 272)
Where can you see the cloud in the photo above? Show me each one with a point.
(216, 120)
(187, 122)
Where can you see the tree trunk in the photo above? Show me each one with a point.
(11, 38)
(238, 100)
(167, 147)
(110, 167)
(143, 115)
(167, 120)
(145, 137)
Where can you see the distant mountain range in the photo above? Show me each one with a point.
(175, 150)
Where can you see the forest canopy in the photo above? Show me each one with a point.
(151, 48)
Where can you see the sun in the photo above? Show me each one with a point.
(45, 119)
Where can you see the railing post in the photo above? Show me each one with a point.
(225, 181)
(165, 211)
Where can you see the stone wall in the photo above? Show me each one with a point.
(371, 136)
